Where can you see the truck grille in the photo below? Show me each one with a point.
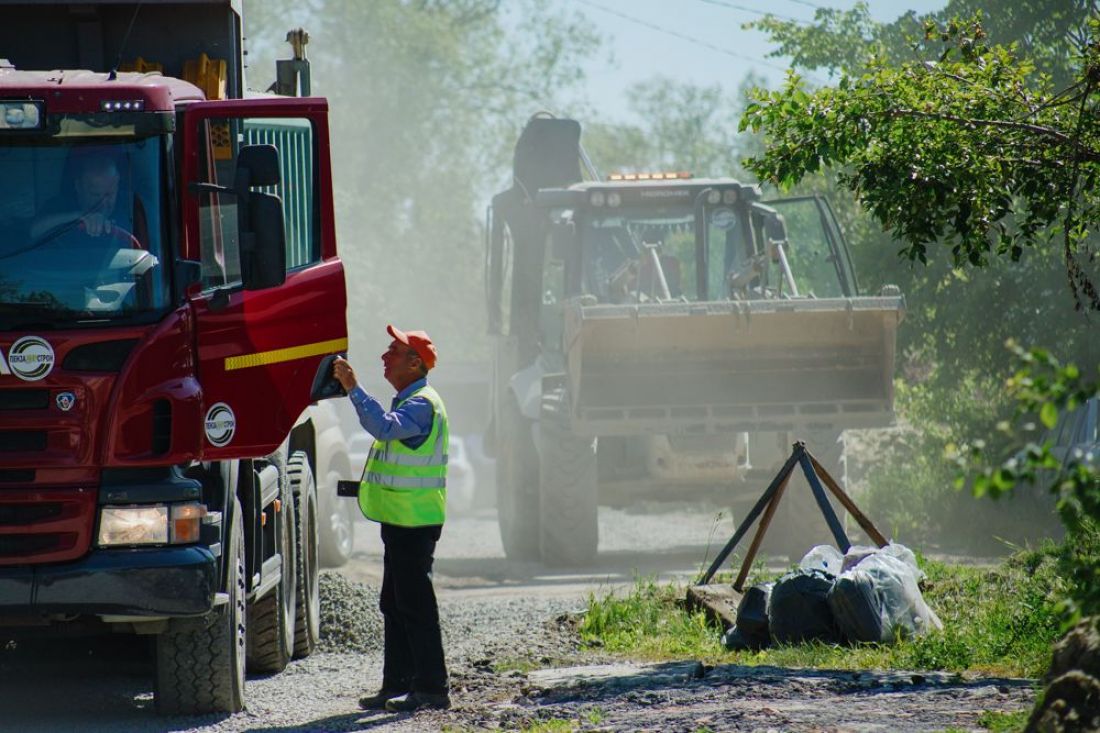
(24, 399)
(14, 514)
(25, 547)
(45, 525)
(15, 441)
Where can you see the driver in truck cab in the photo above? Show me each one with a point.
(91, 207)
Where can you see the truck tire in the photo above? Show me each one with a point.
(307, 618)
(200, 663)
(801, 525)
(271, 618)
(568, 489)
(517, 486)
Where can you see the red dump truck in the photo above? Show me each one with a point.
(169, 290)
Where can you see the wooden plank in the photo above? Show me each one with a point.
(718, 601)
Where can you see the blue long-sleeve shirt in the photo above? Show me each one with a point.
(411, 423)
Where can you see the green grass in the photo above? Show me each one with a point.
(996, 621)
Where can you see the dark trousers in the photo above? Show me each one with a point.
(414, 646)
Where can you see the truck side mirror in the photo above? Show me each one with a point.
(260, 224)
(263, 249)
(257, 165)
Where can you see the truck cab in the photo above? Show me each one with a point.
(169, 285)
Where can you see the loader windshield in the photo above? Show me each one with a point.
(80, 231)
(620, 249)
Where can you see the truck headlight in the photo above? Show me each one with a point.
(150, 524)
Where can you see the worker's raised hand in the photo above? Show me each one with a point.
(344, 374)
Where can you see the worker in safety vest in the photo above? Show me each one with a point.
(404, 489)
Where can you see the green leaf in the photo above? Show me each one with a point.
(1048, 414)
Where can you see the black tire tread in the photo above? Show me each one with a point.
(306, 621)
(518, 487)
(268, 650)
(568, 489)
(195, 658)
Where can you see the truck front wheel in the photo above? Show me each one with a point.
(517, 486)
(200, 662)
(568, 491)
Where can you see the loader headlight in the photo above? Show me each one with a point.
(597, 198)
(150, 524)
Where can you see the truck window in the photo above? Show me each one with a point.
(295, 141)
(815, 266)
(81, 226)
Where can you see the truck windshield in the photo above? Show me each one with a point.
(80, 231)
(618, 263)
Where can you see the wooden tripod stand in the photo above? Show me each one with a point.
(769, 501)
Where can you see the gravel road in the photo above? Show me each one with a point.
(494, 611)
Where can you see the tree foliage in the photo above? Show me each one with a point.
(427, 99)
(972, 138)
(973, 150)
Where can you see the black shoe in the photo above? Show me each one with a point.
(418, 701)
(378, 700)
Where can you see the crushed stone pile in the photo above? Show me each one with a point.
(350, 619)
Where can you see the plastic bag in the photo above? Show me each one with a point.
(878, 598)
(858, 553)
(855, 555)
(823, 557)
(799, 608)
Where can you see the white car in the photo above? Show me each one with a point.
(461, 483)
(336, 459)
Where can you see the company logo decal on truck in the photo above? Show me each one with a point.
(220, 424)
(29, 358)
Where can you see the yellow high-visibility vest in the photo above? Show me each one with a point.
(408, 486)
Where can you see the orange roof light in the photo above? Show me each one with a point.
(665, 176)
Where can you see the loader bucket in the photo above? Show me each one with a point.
(732, 366)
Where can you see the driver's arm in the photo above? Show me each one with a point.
(95, 224)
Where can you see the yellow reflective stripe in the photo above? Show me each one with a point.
(275, 356)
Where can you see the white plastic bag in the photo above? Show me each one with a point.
(822, 557)
(879, 597)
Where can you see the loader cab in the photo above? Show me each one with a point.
(655, 241)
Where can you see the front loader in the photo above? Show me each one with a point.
(658, 331)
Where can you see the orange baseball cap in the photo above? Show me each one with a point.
(419, 341)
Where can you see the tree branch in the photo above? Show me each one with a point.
(1086, 152)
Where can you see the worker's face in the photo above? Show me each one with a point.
(401, 366)
(97, 190)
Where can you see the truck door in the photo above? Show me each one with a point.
(258, 350)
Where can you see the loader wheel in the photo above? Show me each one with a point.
(271, 618)
(307, 617)
(517, 486)
(200, 662)
(568, 497)
(800, 524)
